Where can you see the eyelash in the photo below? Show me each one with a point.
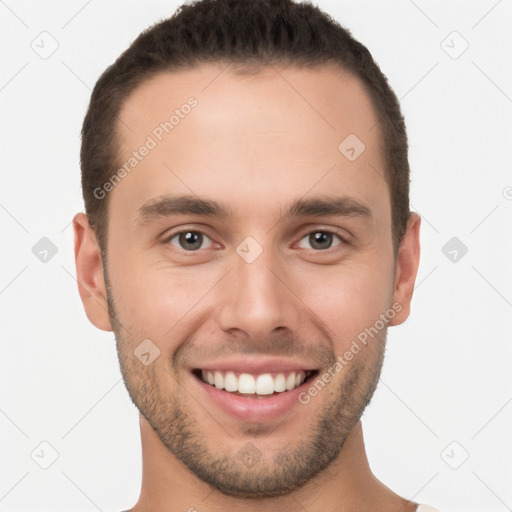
(343, 240)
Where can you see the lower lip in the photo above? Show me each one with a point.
(253, 409)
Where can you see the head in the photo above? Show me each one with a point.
(246, 183)
(284, 34)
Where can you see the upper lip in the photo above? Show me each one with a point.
(256, 366)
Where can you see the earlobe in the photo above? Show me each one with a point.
(408, 260)
(89, 273)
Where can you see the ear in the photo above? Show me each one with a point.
(89, 273)
(408, 260)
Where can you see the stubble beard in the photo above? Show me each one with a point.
(266, 476)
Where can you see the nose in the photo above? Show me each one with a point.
(258, 298)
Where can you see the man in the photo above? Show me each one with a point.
(248, 239)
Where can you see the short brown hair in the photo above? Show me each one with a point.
(250, 33)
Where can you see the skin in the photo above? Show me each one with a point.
(256, 143)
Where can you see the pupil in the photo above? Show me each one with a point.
(320, 240)
(192, 240)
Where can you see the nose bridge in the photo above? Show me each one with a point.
(256, 300)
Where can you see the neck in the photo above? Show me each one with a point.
(346, 485)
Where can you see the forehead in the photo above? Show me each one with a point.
(211, 131)
(326, 98)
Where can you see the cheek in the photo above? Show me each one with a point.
(154, 300)
(348, 299)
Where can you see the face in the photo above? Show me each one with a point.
(246, 247)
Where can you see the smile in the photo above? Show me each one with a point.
(254, 385)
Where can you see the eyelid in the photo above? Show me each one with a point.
(315, 228)
(168, 237)
(344, 239)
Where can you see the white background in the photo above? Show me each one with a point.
(447, 373)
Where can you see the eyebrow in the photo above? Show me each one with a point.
(168, 206)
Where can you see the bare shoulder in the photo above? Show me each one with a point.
(426, 508)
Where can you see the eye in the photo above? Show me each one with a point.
(320, 240)
(189, 240)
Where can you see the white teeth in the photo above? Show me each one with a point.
(218, 380)
(290, 381)
(230, 382)
(246, 383)
(279, 383)
(264, 384)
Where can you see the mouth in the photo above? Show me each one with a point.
(255, 386)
